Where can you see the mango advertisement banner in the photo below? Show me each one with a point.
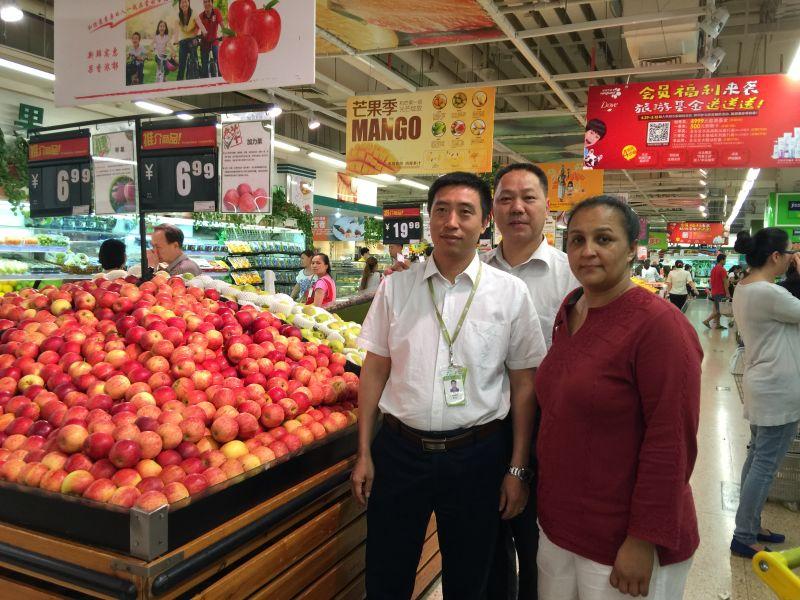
(422, 133)
(568, 183)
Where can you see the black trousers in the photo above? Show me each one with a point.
(461, 487)
(514, 574)
(678, 299)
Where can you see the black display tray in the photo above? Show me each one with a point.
(110, 527)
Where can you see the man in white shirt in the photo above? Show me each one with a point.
(520, 209)
(442, 448)
(649, 272)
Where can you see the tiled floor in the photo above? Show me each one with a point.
(722, 441)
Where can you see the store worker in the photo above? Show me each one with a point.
(167, 253)
(442, 448)
(520, 209)
(718, 282)
(618, 437)
(768, 319)
(323, 290)
(305, 277)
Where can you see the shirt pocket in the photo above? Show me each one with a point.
(484, 345)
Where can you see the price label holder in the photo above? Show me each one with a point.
(402, 224)
(60, 174)
(178, 167)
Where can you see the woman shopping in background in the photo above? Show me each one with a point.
(305, 276)
(679, 282)
(371, 277)
(190, 28)
(768, 318)
(618, 436)
(323, 290)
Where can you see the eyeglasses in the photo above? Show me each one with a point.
(790, 251)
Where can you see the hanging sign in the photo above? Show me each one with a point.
(421, 133)
(114, 173)
(178, 168)
(707, 123)
(107, 50)
(320, 228)
(402, 224)
(568, 183)
(246, 168)
(60, 174)
(696, 232)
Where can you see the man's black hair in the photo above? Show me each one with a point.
(462, 179)
(531, 168)
(112, 254)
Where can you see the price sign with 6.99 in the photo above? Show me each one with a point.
(178, 170)
(402, 224)
(60, 174)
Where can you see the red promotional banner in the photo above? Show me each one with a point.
(703, 123)
(179, 137)
(395, 213)
(77, 147)
(696, 232)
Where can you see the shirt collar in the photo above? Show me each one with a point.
(471, 271)
(176, 262)
(541, 254)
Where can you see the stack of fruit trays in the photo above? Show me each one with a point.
(145, 396)
(313, 323)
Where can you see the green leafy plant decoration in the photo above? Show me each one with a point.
(284, 209)
(373, 230)
(14, 171)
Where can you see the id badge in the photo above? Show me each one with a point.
(454, 380)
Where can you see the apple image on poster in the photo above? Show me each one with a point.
(252, 31)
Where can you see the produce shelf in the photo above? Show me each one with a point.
(19, 249)
(60, 275)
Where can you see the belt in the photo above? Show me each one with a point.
(436, 442)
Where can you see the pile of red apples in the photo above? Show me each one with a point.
(146, 395)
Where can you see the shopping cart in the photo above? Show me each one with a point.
(775, 569)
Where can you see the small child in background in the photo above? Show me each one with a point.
(136, 57)
(161, 50)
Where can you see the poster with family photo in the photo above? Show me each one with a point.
(134, 49)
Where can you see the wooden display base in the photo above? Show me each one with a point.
(315, 553)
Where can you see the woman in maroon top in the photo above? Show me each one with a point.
(620, 398)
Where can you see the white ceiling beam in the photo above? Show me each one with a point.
(674, 15)
(532, 114)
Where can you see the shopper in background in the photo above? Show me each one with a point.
(718, 286)
(112, 258)
(649, 272)
(734, 277)
(692, 290)
(618, 437)
(167, 253)
(679, 282)
(792, 281)
(396, 253)
(305, 277)
(520, 210)
(768, 319)
(371, 278)
(323, 291)
(439, 450)
(364, 254)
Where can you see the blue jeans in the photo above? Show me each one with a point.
(768, 447)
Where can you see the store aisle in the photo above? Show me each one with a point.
(723, 437)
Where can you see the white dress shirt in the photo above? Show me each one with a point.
(650, 274)
(547, 276)
(501, 331)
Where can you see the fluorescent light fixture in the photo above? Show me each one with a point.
(10, 12)
(184, 117)
(703, 195)
(703, 172)
(219, 125)
(275, 110)
(703, 182)
(14, 66)
(747, 185)
(328, 159)
(152, 107)
(313, 122)
(385, 177)
(794, 68)
(337, 214)
(414, 184)
(702, 208)
(110, 159)
(285, 146)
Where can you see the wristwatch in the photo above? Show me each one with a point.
(522, 473)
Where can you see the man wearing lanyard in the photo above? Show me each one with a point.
(452, 348)
(520, 209)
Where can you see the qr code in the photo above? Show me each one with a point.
(658, 133)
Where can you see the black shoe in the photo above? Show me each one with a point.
(743, 550)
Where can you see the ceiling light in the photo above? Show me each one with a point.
(414, 184)
(752, 174)
(328, 159)
(703, 195)
(313, 122)
(275, 110)
(702, 208)
(713, 60)
(703, 182)
(285, 146)
(794, 68)
(184, 117)
(703, 172)
(152, 107)
(10, 12)
(385, 177)
(337, 214)
(747, 185)
(714, 23)
(26, 69)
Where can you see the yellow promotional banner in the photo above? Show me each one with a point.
(421, 133)
(568, 183)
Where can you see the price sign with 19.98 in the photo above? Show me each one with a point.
(59, 175)
(402, 224)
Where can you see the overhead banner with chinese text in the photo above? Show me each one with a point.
(696, 232)
(132, 49)
(705, 123)
(568, 183)
(422, 133)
